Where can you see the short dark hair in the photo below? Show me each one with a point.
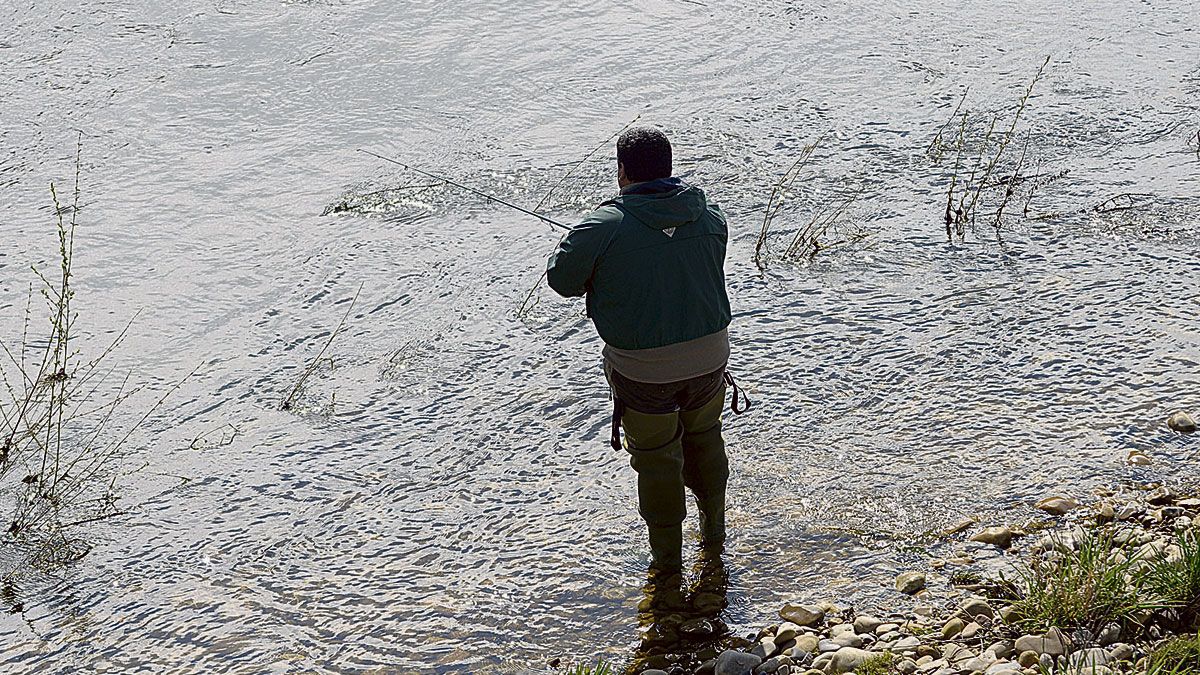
(645, 153)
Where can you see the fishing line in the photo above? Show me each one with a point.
(473, 191)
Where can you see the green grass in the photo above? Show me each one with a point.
(881, 664)
(1083, 588)
(1176, 657)
(601, 668)
(1177, 583)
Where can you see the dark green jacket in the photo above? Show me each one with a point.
(652, 264)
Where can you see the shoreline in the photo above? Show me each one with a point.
(1109, 586)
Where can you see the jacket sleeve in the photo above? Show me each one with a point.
(569, 271)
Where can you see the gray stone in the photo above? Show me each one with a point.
(849, 640)
(1088, 658)
(1008, 613)
(969, 631)
(802, 615)
(953, 653)
(906, 666)
(1161, 495)
(847, 659)
(1003, 668)
(1181, 422)
(827, 646)
(866, 624)
(909, 643)
(1045, 663)
(654, 671)
(910, 582)
(1052, 643)
(822, 661)
(805, 644)
(996, 536)
(885, 628)
(1057, 505)
(981, 662)
(975, 608)
(732, 662)
(1110, 634)
(840, 628)
(770, 665)
(786, 631)
(1120, 652)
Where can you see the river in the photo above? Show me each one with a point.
(442, 498)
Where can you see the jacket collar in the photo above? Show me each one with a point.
(653, 187)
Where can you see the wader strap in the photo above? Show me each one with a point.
(735, 406)
(618, 410)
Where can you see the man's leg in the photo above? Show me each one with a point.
(705, 465)
(655, 449)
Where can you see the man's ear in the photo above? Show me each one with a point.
(622, 179)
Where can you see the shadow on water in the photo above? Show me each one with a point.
(680, 617)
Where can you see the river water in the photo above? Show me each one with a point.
(442, 497)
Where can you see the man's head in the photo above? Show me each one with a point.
(643, 153)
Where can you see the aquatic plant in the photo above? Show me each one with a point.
(297, 390)
(63, 423)
(778, 196)
(964, 196)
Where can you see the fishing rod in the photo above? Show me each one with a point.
(473, 191)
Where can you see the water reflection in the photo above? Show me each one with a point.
(679, 616)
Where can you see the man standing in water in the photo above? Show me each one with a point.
(651, 263)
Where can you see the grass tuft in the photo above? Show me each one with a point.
(1176, 657)
(881, 664)
(1082, 586)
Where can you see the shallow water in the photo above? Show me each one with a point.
(444, 499)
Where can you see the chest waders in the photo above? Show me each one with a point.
(671, 451)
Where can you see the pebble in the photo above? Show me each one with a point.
(1121, 652)
(1138, 458)
(1088, 658)
(802, 615)
(1160, 496)
(1002, 649)
(828, 646)
(1053, 643)
(910, 583)
(885, 628)
(1110, 634)
(805, 644)
(654, 671)
(996, 536)
(905, 644)
(1057, 505)
(975, 608)
(786, 631)
(1181, 422)
(952, 628)
(847, 659)
(849, 640)
(866, 624)
(732, 662)
(969, 631)
(840, 628)
(906, 666)
(1028, 658)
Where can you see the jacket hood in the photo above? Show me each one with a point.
(662, 204)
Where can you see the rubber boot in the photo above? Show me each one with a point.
(706, 467)
(655, 446)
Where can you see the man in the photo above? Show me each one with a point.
(651, 263)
